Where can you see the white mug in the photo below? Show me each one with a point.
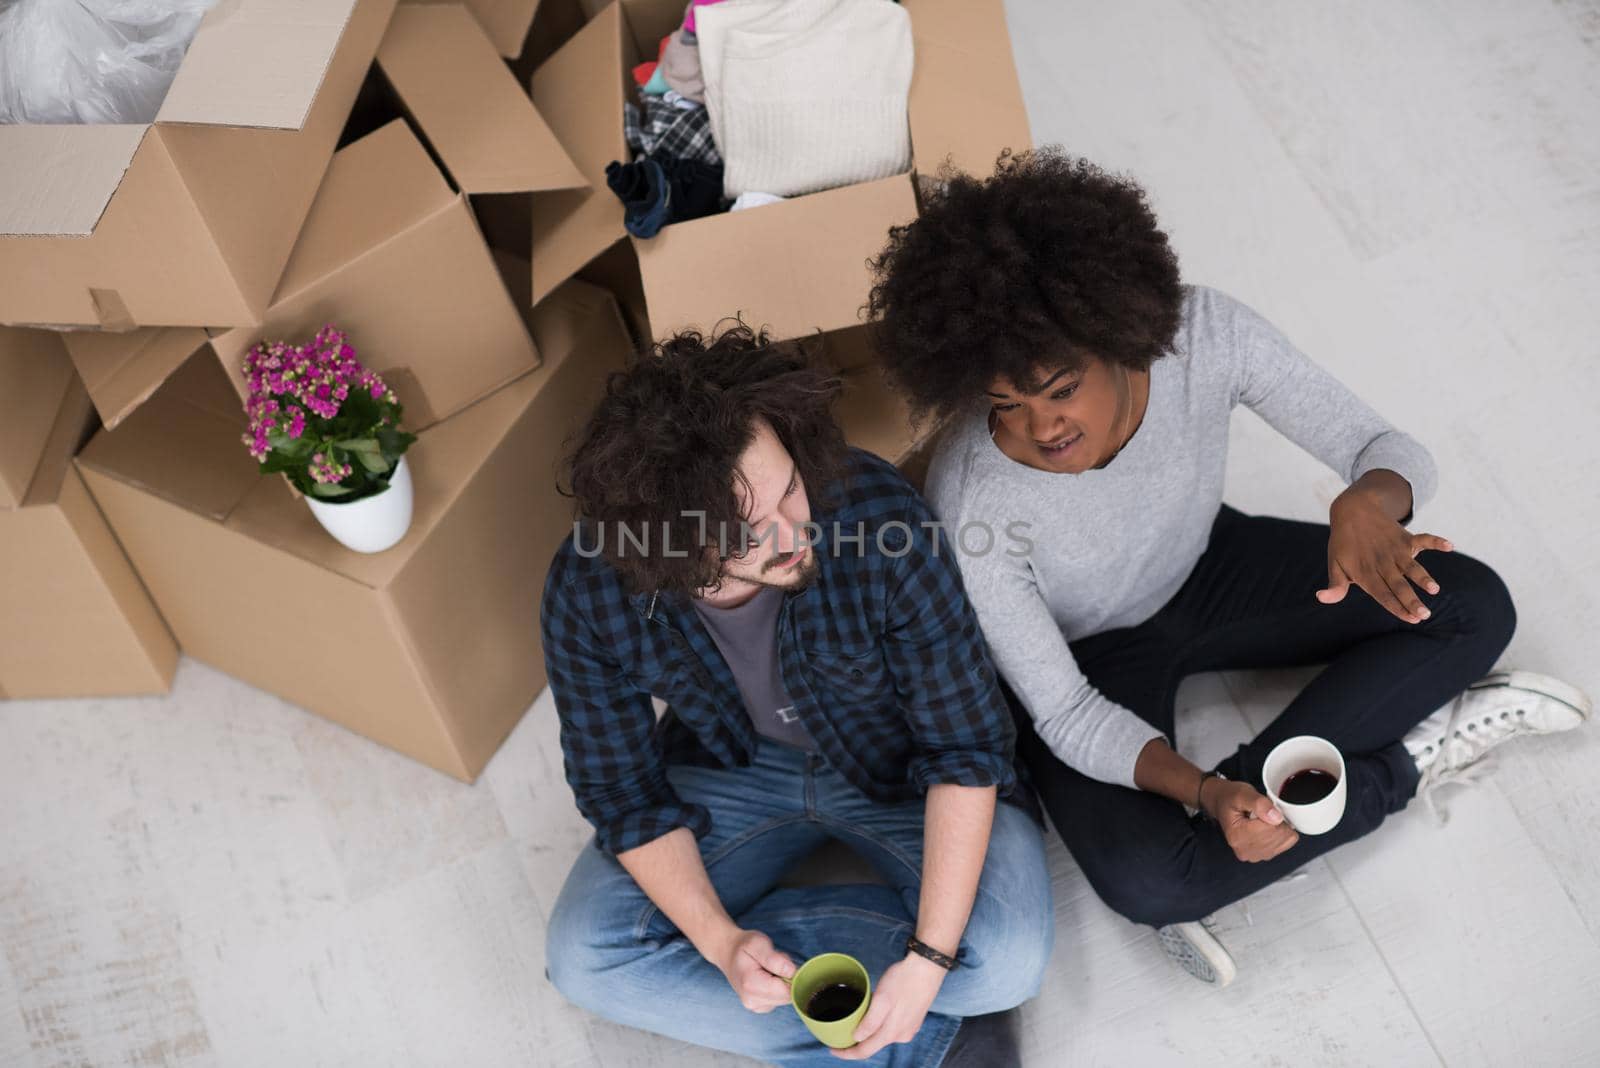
(1303, 753)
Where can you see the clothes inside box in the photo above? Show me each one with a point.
(749, 102)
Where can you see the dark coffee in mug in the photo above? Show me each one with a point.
(833, 1002)
(1307, 787)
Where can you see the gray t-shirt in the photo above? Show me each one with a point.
(1111, 546)
(747, 637)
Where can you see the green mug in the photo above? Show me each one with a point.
(820, 972)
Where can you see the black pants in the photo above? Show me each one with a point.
(1250, 604)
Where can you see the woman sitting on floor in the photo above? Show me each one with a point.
(1088, 394)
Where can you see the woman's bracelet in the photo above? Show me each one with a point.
(1200, 791)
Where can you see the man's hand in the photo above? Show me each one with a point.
(1367, 548)
(1251, 822)
(756, 971)
(898, 1007)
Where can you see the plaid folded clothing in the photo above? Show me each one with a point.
(671, 125)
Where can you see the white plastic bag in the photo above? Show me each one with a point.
(91, 61)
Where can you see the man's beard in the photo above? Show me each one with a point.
(803, 577)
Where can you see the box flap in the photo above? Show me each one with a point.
(122, 370)
(184, 445)
(256, 63)
(419, 297)
(35, 376)
(152, 259)
(428, 312)
(505, 22)
(74, 419)
(966, 102)
(651, 20)
(469, 104)
(749, 261)
(57, 180)
(579, 91)
(374, 188)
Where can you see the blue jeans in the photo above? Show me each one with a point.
(611, 951)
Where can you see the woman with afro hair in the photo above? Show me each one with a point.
(1085, 394)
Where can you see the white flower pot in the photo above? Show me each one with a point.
(371, 524)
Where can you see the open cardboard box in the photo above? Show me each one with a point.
(188, 220)
(796, 266)
(506, 23)
(75, 621)
(467, 103)
(391, 255)
(430, 648)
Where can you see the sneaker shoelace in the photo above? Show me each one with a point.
(1463, 752)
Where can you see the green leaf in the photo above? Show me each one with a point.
(395, 442)
(283, 444)
(276, 462)
(329, 489)
(359, 445)
(373, 461)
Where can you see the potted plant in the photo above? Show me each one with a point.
(332, 428)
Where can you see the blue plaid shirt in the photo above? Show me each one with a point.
(881, 655)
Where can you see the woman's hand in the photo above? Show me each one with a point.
(1249, 820)
(1367, 548)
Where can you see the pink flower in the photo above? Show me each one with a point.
(326, 471)
(294, 388)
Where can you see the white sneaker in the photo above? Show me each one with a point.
(1196, 950)
(1450, 745)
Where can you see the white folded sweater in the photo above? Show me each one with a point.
(805, 95)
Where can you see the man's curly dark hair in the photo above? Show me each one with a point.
(1046, 264)
(666, 439)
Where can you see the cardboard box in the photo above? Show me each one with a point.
(189, 220)
(75, 621)
(872, 415)
(468, 103)
(797, 266)
(430, 648)
(391, 255)
(505, 22)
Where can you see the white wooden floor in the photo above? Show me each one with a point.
(1411, 190)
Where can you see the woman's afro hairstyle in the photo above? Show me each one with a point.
(1047, 264)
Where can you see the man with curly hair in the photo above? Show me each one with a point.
(1088, 394)
(825, 678)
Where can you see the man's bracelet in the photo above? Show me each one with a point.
(922, 949)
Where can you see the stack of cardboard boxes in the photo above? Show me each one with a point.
(74, 618)
(430, 177)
